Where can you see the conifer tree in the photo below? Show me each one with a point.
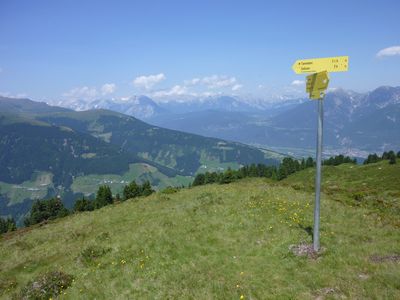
(146, 189)
(84, 205)
(392, 157)
(43, 210)
(131, 190)
(103, 196)
(199, 179)
(7, 225)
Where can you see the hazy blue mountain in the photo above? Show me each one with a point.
(365, 121)
(221, 103)
(353, 122)
(145, 108)
(240, 126)
(229, 104)
(27, 107)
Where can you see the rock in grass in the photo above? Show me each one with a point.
(304, 249)
(46, 286)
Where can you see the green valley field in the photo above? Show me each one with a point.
(229, 241)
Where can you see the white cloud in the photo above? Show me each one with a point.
(108, 88)
(84, 93)
(196, 87)
(219, 81)
(237, 87)
(210, 94)
(215, 82)
(11, 95)
(147, 82)
(193, 81)
(176, 90)
(390, 51)
(297, 82)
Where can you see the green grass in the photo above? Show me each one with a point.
(214, 166)
(210, 164)
(33, 189)
(296, 152)
(375, 186)
(139, 171)
(216, 242)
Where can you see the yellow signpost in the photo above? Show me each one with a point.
(317, 83)
(315, 65)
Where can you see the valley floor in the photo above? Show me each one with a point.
(217, 242)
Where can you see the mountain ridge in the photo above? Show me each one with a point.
(56, 151)
(287, 124)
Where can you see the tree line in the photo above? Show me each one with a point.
(43, 210)
(284, 169)
(338, 160)
(390, 155)
(287, 166)
(53, 208)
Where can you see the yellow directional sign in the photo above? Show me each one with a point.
(314, 65)
(317, 84)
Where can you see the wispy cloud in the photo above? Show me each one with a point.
(90, 93)
(390, 51)
(236, 87)
(147, 82)
(219, 81)
(193, 81)
(11, 95)
(176, 90)
(84, 93)
(198, 87)
(297, 82)
(215, 82)
(108, 88)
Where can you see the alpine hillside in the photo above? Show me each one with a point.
(47, 151)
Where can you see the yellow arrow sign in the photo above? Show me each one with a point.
(314, 65)
(318, 80)
(317, 84)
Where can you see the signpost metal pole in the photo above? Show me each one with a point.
(318, 175)
(316, 85)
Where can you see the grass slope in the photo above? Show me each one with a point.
(36, 188)
(375, 186)
(217, 242)
(139, 172)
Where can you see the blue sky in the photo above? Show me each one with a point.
(89, 49)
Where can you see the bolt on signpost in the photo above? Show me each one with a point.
(316, 85)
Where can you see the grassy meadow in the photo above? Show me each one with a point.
(224, 242)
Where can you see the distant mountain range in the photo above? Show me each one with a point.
(48, 150)
(137, 106)
(355, 123)
(369, 121)
(144, 108)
